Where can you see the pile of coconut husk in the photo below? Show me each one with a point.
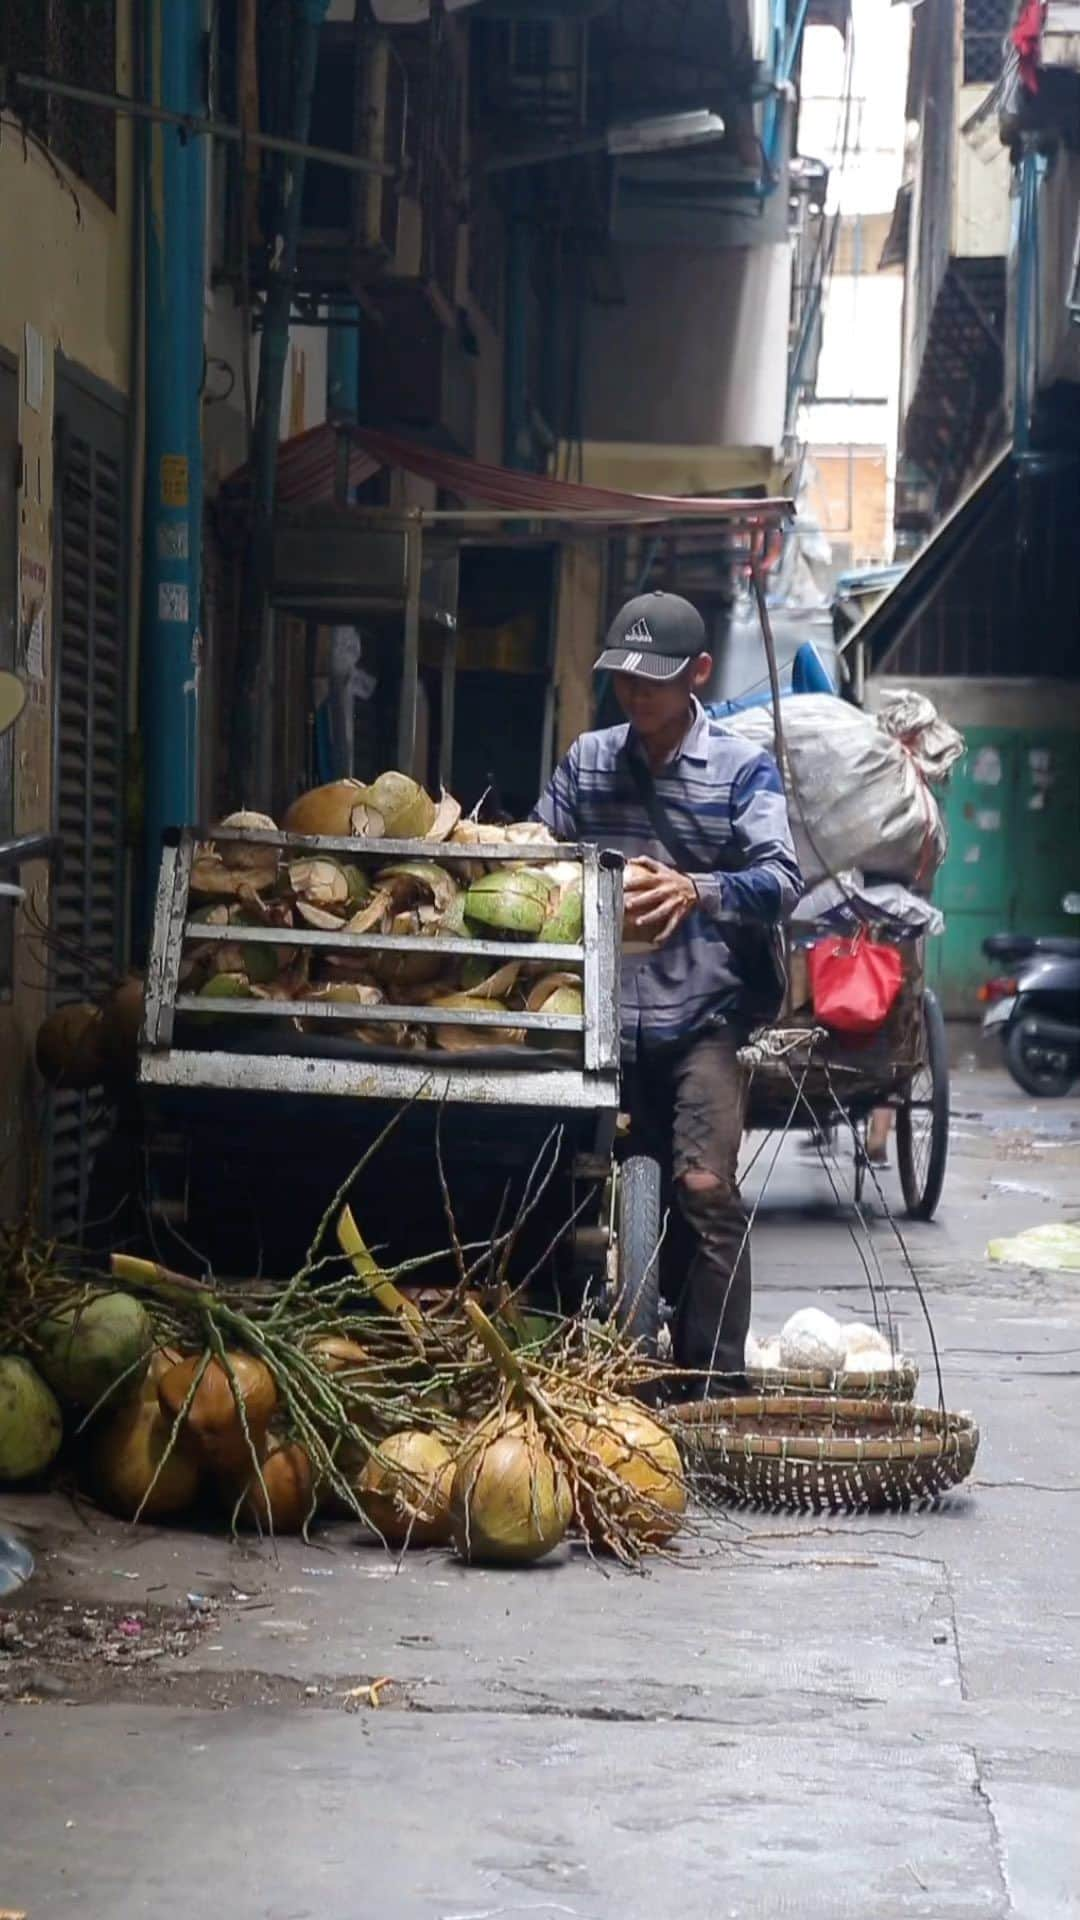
(244, 884)
(430, 1415)
(248, 884)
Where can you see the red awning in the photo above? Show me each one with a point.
(308, 464)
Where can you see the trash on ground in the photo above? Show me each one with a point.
(1054, 1248)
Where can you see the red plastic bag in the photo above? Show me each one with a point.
(853, 983)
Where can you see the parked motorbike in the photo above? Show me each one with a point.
(1033, 1004)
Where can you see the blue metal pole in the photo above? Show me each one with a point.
(174, 170)
(1025, 379)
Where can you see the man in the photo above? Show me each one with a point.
(702, 815)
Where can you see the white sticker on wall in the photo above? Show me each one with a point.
(971, 857)
(986, 769)
(172, 539)
(988, 820)
(172, 601)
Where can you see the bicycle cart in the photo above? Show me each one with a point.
(804, 1078)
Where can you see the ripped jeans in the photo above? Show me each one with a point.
(686, 1108)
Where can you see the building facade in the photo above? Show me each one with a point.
(986, 617)
(563, 239)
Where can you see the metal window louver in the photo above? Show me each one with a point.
(90, 648)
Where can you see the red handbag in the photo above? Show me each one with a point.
(853, 983)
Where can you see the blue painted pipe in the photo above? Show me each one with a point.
(174, 176)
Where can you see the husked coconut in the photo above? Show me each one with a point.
(236, 852)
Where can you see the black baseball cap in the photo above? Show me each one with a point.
(653, 636)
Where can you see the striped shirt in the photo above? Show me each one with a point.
(726, 803)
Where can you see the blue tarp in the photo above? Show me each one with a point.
(809, 674)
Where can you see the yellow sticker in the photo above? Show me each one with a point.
(174, 480)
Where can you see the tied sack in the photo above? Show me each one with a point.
(853, 983)
(861, 788)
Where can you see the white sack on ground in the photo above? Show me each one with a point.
(857, 795)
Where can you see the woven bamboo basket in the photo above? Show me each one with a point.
(843, 1455)
(892, 1383)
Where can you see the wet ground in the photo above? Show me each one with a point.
(799, 1716)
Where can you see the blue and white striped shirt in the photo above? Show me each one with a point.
(726, 802)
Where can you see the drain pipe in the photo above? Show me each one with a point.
(173, 192)
(255, 586)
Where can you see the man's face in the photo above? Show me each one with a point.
(652, 706)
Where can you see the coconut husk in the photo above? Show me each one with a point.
(530, 833)
(447, 815)
(407, 811)
(460, 1039)
(319, 917)
(240, 855)
(412, 881)
(345, 993)
(400, 971)
(496, 985)
(213, 878)
(371, 916)
(320, 881)
(548, 984)
(367, 823)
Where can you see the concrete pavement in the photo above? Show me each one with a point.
(801, 1717)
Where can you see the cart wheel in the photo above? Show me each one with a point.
(922, 1122)
(637, 1257)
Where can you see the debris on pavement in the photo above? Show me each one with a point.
(1054, 1248)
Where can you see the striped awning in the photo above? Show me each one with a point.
(307, 473)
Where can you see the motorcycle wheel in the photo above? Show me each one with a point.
(1046, 1081)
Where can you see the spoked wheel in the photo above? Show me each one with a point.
(636, 1267)
(922, 1120)
(1044, 1071)
(859, 1129)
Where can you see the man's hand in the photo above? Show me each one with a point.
(658, 898)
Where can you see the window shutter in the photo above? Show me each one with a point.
(90, 660)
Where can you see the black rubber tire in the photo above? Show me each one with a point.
(922, 1182)
(1044, 1084)
(638, 1221)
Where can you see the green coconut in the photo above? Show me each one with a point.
(510, 902)
(87, 1351)
(407, 811)
(31, 1424)
(226, 986)
(566, 920)
(452, 922)
(555, 993)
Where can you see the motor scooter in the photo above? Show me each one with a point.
(1033, 1004)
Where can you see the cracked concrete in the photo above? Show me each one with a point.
(802, 1716)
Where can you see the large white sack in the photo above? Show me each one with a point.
(856, 796)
